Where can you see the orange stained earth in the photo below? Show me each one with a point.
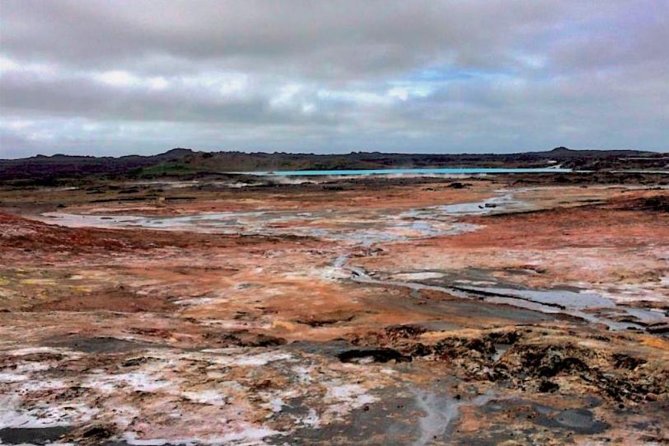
(406, 312)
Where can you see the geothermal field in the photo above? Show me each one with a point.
(519, 309)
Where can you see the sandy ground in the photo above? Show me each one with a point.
(415, 311)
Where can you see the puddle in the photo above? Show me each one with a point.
(593, 308)
(418, 276)
(575, 420)
(440, 412)
(581, 421)
(390, 420)
(647, 316)
(557, 297)
(584, 305)
(500, 203)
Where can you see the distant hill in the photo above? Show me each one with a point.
(46, 168)
(565, 153)
(181, 162)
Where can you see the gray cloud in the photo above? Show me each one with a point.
(481, 75)
(359, 36)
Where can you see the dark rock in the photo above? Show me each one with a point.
(458, 347)
(458, 185)
(623, 361)
(550, 361)
(658, 203)
(98, 432)
(377, 355)
(419, 350)
(244, 338)
(404, 331)
(132, 362)
(37, 435)
(263, 340)
(658, 329)
(548, 386)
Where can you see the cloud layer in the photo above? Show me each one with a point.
(99, 77)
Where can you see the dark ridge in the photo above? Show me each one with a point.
(186, 163)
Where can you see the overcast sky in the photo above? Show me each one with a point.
(119, 77)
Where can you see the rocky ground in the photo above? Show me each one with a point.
(466, 311)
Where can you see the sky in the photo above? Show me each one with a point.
(101, 77)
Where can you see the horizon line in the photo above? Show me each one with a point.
(352, 152)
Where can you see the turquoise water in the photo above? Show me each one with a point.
(441, 171)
